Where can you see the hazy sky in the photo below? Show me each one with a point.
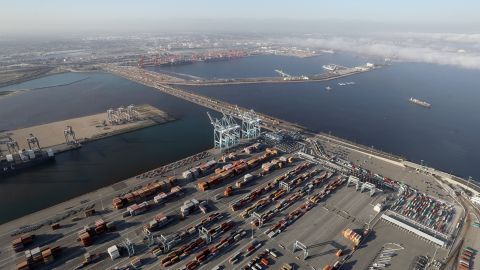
(79, 16)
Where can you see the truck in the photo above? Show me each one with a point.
(88, 258)
(246, 179)
(352, 236)
(20, 243)
(272, 252)
(234, 259)
(89, 212)
(85, 238)
(228, 191)
(158, 222)
(136, 263)
(254, 245)
(188, 207)
(137, 209)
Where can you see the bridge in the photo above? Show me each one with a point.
(159, 82)
(164, 84)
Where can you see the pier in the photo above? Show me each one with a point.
(86, 128)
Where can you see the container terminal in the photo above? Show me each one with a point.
(27, 147)
(269, 195)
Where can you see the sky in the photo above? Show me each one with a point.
(23, 17)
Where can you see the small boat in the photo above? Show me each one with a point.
(420, 102)
(328, 88)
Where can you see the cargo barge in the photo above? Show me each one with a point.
(25, 159)
(420, 102)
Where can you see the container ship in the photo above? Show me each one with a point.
(420, 102)
(24, 159)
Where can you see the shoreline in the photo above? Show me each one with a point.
(85, 199)
(9, 93)
(51, 71)
(87, 128)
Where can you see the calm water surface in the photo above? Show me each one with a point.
(375, 112)
(101, 162)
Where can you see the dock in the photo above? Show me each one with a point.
(319, 227)
(86, 128)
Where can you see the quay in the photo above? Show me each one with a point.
(86, 128)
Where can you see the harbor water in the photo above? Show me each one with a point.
(98, 163)
(374, 111)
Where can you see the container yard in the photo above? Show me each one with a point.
(421, 208)
(258, 205)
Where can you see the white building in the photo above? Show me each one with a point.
(476, 200)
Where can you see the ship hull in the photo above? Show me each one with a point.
(10, 167)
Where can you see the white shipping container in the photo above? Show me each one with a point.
(30, 154)
(247, 177)
(187, 175)
(228, 166)
(160, 197)
(113, 252)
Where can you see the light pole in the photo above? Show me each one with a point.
(101, 201)
(252, 224)
(434, 254)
